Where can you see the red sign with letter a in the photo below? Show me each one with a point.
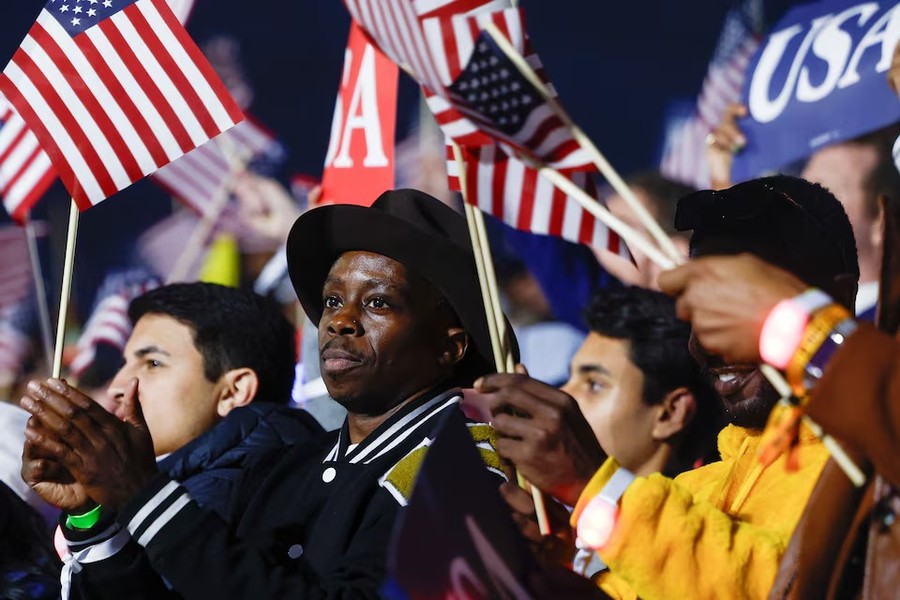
(359, 165)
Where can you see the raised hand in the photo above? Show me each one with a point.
(727, 299)
(543, 432)
(722, 144)
(266, 210)
(111, 460)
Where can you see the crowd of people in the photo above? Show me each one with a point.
(668, 459)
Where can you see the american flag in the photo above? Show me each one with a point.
(109, 323)
(114, 90)
(25, 169)
(15, 341)
(399, 28)
(505, 187)
(684, 153)
(496, 100)
(16, 279)
(198, 177)
(476, 93)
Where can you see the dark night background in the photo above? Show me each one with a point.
(619, 67)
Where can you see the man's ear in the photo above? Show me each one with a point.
(239, 389)
(674, 413)
(457, 342)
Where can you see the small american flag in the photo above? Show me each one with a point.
(15, 341)
(16, 279)
(505, 187)
(497, 102)
(109, 323)
(684, 153)
(399, 28)
(475, 92)
(114, 90)
(25, 169)
(198, 177)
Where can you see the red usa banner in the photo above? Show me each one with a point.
(359, 164)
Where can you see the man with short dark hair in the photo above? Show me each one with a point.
(395, 294)
(720, 530)
(215, 368)
(634, 384)
(638, 386)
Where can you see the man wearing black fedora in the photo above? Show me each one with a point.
(401, 325)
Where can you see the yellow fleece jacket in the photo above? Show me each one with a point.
(715, 532)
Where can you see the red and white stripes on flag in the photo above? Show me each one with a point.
(114, 92)
(16, 279)
(199, 176)
(480, 74)
(15, 344)
(108, 324)
(397, 27)
(25, 169)
(503, 186)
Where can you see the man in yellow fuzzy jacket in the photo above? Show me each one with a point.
(718, 531)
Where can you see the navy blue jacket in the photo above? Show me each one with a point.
(211, 465)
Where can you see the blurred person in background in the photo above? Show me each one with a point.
(659, 195)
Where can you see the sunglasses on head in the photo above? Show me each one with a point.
(744, 202)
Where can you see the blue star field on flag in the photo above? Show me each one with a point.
(78, 15)
(492, 87)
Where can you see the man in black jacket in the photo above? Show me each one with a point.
(394, 291)
(214, 384)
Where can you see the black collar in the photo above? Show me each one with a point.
(392, 432)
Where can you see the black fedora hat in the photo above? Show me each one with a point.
(412, 228)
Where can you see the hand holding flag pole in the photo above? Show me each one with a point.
(490, 294)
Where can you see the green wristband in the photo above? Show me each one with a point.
(85, 521)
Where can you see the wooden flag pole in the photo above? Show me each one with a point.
(633, 239)
(66, 290)
(493, 289)
(494, 314)
(606, 169)
(39, 291)
(496, 345)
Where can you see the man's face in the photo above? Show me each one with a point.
(609, 390)
(746, 395)
(380, 335)
(178, 402)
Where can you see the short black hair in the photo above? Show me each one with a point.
(805, 231)
(658, 346)
(232, 328)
